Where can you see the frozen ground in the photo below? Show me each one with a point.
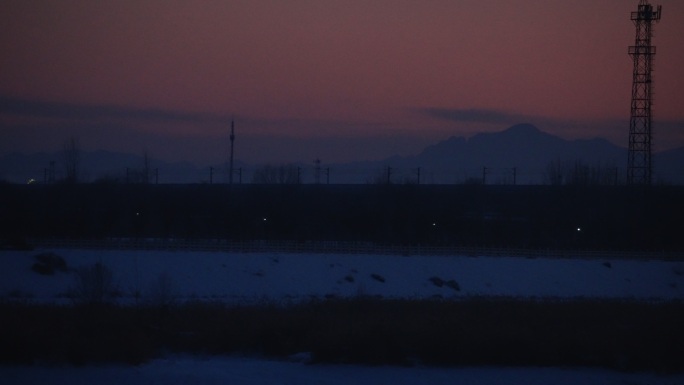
(228, 370)
(282, 277)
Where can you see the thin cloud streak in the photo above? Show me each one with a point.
(504, 118)
(668, 134)
(105, 113)
(57, 110)
(474, 115)
(36, 125)
(202, 137)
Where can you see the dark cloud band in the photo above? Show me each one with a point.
(475, 115)
(44, 109)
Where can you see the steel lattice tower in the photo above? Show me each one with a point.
(642, 52)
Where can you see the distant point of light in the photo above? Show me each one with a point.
(579, 229)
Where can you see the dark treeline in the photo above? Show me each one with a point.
(620, 335)
(597, 217)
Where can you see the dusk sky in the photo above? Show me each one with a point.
(335, 80)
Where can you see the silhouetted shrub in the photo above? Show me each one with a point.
(453, 284)
(94, 284)
(15, 244)
(163, 291)
(378, 277)
(439, 282)
(47, 263)
(42, 269)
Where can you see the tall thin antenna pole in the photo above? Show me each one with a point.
(317, 171)
(232, 148)
(639, 168)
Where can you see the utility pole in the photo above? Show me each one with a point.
(639, 168)
(51, 174)
(484, 175)
(317, 171)
(515, 174)
(232, 147)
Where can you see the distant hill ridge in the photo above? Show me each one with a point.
(522, 147)
(525, 148)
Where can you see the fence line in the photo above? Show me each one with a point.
(341, 247)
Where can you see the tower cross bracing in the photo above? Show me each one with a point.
(639, 167)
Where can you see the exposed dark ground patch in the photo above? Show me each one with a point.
(621, 335)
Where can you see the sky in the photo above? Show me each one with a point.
(335, 80)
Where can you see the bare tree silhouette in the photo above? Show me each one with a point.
(71, 152)
(283, 174)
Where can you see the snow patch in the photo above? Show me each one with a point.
(277, 277)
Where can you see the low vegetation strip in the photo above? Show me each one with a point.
(623, 335)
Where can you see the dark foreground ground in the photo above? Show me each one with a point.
(622, 335)
(553, 217)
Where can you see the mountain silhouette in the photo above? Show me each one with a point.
(669, 166)
(523, 148)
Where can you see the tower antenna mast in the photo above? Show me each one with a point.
(232, 147)
(639, 168)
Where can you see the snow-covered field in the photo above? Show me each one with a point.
(283, 277)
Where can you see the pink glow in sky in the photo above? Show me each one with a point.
(339, 80)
